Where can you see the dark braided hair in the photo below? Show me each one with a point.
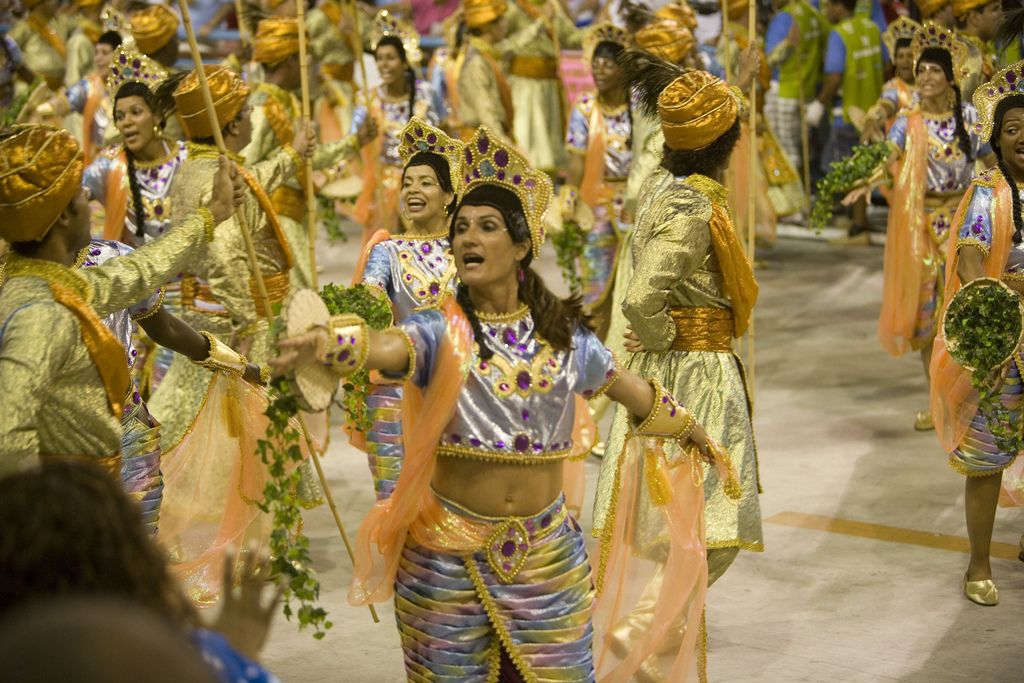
(555, 319)
(134, 89)
(69, 528)
(941, 57)
(1005, 105)
(410, 75)
(609, 50)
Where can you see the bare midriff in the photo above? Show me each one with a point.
(495, 489)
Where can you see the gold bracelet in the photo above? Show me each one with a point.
(351, 344)
(222, 357)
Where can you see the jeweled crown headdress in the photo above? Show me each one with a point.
(603, 33)
(931, 35)
(129, 66)
(420, 136)
(1006, 83)
(904, 28)
(487, 160)
(387, 24)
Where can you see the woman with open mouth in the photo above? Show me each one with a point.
(393, 103)
(487, 567)
(132, 180)
(415, 270)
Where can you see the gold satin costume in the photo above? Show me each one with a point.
(39, 39)
(275, 117)
(676, 298)
(216, 292)
(54, 397)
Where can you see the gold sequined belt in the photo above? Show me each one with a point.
(289, 202)
(702, 329)
(445, 526)
(277, 285)
(339, 72)
(534, 67)
(109, 463)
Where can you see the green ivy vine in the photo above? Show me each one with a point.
(569, 245)
(843, 176)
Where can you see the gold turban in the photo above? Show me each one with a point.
(87, 3)
(153, 27)
(695, 110)
(40, 173)
(229, 93)
(479, 13)
(682, 14)
(276, 39)
(930, 7)
(962, 7)
(665, 39)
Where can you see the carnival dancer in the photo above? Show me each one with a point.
(335, 38)
(989, 243)
(538, 124)
(89, 100)
(63, 372)
(484, 93)
(80, 62)
(794, 46)
(42, 35)
(155, 30)
(140, 444)
(401, 95)
(937, 155)
(898, 92)
(977, 25)
(691, 292)
(491, 579)
(276, 114)
(217, 290)
(415, 270)
(600, 145)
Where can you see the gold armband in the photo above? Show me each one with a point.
(348, 344)
(222, 357)
(667, 418)
(209, 225)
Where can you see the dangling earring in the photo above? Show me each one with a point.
(521, 275)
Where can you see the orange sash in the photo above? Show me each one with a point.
(593, 163)
(45, 31)
(117, 198)
(366, 210)
(268, 208)
(92, 105)
(954, 401)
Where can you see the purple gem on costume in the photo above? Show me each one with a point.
(124, 59)
(503, 386)
(136, 64)
(476, 173)
(484, 365)
(509, 336)
(516, 179)
(426, 248)
(543, 383)
(522, 443)
(94, 252)
(523, 380)
(530, 183)
(508, 549)
(523, 547)
(352, 340)
(501, 158)
(158, 210)
(1010, 77)
(432, 138)
(664, 399)
(672, 413)
(341, 339)
(473, 441)
(136, 397)
(538, 447)
(343, 356)
(501, 175)
(526, 415)
(408, 278)
(545, 521)
(409, 138)
(455, 438)
(435, 288)
(483, 144)
(500, 445)
(469, 155)
(506, 566)
(134, 353)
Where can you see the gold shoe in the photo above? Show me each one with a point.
(923, 421)
(982, 592)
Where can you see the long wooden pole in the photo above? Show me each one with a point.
(752, 181)
(249, 246)
(805, 145)
(300, 6)
(215, 125)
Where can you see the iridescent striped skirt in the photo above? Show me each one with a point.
(140, 464)
(522, 599)
(978, 455)
(384, 441)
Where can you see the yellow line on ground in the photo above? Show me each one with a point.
(892, 534)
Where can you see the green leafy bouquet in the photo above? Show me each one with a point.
(983, 328)
(843, 175)
(374, 307)
(569, 245)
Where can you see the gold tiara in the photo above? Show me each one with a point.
(488, 161)
(904, 28)
(931, 35)
(387, 24)
(128, 66)
(603, 33)
(1006, 83)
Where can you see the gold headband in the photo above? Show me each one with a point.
(1006, 83)
(903, 28)
(931, 35)
(419, 136)
(603, 33)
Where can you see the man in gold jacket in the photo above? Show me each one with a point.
(62, 370)
(42, 35)
(335, 37)
(155, 30)
(692, 291)
(276, 115)
(977, 26)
